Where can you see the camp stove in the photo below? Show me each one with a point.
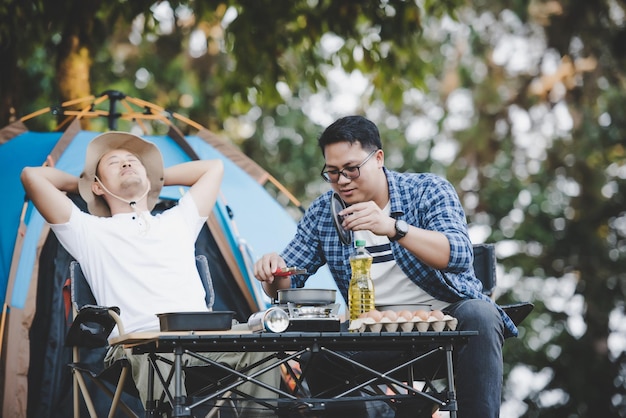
(310, 310)
(312, 318)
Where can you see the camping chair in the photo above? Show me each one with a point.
(90, 329)
(485, 270)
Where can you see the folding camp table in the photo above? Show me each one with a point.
(282, 349)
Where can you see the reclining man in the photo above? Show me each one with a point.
(142, 263)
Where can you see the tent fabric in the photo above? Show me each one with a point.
(247, 222)
(29, 149)
(231, 152)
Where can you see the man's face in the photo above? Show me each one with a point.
(362, 166)
(121, 171)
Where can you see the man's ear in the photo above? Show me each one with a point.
(380, 158)
(97, 189)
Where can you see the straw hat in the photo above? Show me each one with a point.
(147, 152)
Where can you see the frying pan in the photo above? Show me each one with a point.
(307, 296)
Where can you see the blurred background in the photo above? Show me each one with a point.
(520, 104)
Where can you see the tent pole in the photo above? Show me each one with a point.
(62, 105)
(284, 190)
(2, 322)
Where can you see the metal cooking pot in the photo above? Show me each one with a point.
(304, 296)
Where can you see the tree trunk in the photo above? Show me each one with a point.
(74, 53)
(73, 69)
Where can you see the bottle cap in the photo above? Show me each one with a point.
(359, 243)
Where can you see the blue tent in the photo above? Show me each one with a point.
(247, 222)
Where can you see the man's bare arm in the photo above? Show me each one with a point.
(46, 187)
(204, 177)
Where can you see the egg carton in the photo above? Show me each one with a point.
(447, 323)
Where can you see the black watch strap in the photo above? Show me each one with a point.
(402, 228)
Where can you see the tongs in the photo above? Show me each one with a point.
(288, 271)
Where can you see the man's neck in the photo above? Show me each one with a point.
(117, 206)
(382, 197)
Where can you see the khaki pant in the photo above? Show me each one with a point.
(140, 368)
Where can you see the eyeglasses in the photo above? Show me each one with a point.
(351, 173)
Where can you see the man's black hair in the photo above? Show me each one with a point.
(352, 129)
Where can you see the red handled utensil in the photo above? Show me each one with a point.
(288, 271)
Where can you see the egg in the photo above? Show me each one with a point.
(390, 315)
(375, 315)
(405, 314)
(420, 314)
(437, 314)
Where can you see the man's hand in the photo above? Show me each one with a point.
(367, 216)
(265, 268)
(432, 247)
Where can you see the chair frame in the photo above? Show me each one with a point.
(91, 326)
(485, 270)
(85, 332)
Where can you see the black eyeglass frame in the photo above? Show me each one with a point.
(326, 173)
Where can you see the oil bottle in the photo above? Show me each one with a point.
(361, 290)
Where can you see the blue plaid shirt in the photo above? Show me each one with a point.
(423, 200)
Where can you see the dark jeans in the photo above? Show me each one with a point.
(477, 365)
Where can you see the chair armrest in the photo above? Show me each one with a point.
(92, 326)
(518, 311)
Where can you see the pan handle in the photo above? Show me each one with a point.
(288, 271)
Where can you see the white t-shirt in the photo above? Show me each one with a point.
(392, 288)
(143, 264)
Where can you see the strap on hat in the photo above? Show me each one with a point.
(143, 222)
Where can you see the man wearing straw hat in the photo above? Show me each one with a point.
(142, 263)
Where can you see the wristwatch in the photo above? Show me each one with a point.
(402, 228)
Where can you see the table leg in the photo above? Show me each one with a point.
(451, 389)
(179, 409)
(150, 403)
